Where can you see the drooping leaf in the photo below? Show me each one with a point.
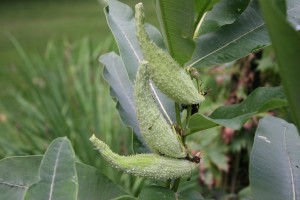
(286, 43)
(121, 20)
(121, 90)
(234, 116)
(158, 192)
(176, 19)
(17, 174)
(224, 12)
(247, 34)
(57, 173)
(274, 162)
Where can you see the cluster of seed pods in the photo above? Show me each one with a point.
(168, 159)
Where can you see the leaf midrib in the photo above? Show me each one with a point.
(14, 185)
(123, 88)
(289, 163)
(54, 172)
(127, 39)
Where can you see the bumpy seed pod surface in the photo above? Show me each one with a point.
(165, 72)
(146, 165)
(156, 132)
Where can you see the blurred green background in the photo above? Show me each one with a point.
(35, 22)
(51, 82)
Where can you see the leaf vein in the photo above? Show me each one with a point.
(289, 163)
(13, 184)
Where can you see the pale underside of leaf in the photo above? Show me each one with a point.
(121, 21)
(274, 160)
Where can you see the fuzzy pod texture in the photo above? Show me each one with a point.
(165, 72)
(157, 133)
(146, 165)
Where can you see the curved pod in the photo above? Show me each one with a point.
(156, 132)
(146, 165)
(165, 72)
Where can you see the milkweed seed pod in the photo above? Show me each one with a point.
(157, 133)
(146, 165)
(165, 72)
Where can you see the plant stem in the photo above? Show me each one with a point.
(177, 111)
(185, 130)
(179, 123)
(176, 185)
(235, 172)
(168, 183)
(189, 113)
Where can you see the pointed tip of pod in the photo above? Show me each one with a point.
(201, 98)
(98, 144)
(93, 138)
(139, 13)
(139, 5)
(196, 98)
(146, 165)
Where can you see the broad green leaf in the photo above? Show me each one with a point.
(234, 116)
(57, 173)
(121, 90)
(224, 12)
(274, 169)
(17, 174)
(158, 192)
(202, 6)
(120, 73)
(286, 43)
(247, 34)
(120, 19)
(93, 185)
(176, 19)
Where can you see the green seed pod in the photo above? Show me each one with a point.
(146, 165)
(157, 133)
(165, 72)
